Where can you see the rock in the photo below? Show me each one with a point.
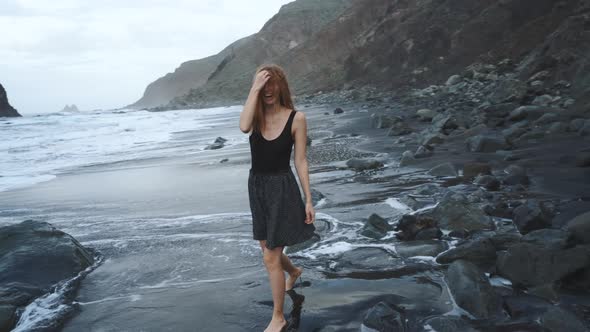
(550, 238)
(481, 252)
(547, 292)
(217, 144)
(531, 216)
(543, 100)
(585, 130)
(579, 228)
(498, 209)
(448, 324)
(576, 124)
(5, 108)
(504, 240)
(454, 212)
(380, 121)
(34, 256)
(7, 317)
(508, 90)
(384, 318)
(432, 139)
(376, 227)
(363, 164)
(488, 181)
(420, 248)
(558, 319)
(443, 123)
(481, 143)
(446, 169)
(474, 169)
(410, 225)
(530, 112)
(423, 151)
(425, 114)
(398, 129)
(454, 79)
(516, 130)
(557, 127)
(531, 265)
(338, 111)
(429, 233)
(472, 290)
(516, 175)
(546, 119)
(407, 158)
(316, 196)
(366, 258)
(37, 246)
(583, 159)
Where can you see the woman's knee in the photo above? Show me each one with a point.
(272, 258)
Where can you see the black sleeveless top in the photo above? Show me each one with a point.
(272, 156)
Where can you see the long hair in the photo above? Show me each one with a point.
(277, 75)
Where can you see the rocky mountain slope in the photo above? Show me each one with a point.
(401, 44)
(5, 108)
(292, 26)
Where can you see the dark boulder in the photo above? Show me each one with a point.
(579, 228)
(363, 164)
(455, 212)
(532, 265)
(472, 290)
(481, 252)
(531, 216)
(409, 226)
(376, 227)
(384, 317)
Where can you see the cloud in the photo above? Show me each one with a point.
(102, 54)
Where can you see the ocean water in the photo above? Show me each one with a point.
(38, 148)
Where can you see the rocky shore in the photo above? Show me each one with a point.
(508, 220)
(41, 270)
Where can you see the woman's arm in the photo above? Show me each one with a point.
(301, 165)
(247, 115)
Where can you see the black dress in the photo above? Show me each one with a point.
(278, 211)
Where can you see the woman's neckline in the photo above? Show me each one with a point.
(282, 131)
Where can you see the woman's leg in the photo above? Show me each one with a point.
(293, 271)
(272, 261)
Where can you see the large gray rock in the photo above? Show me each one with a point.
(455, 212)
(532, 215)
(376, 227)
(481, 252)
(579, 228)
(385, 318)
(550, 238)
(484, 143)
(472, 290)
(363, 164)
(425, 114)
(34, 256)
(38, 254)
(449, 324)
(532, 265)
(556, 319)
(420, 248)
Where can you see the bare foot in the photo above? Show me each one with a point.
(276, 325)
(290, 281)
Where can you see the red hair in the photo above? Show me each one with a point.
(278, 76)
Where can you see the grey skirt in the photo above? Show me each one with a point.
(278, 211)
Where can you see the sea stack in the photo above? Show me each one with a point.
(5, 108)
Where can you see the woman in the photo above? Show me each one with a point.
(279, 216)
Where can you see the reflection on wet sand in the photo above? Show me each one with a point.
(295, 314)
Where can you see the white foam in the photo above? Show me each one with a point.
(397, 205)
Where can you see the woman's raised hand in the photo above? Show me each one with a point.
(260, 80)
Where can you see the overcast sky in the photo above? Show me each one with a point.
(102, 54)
